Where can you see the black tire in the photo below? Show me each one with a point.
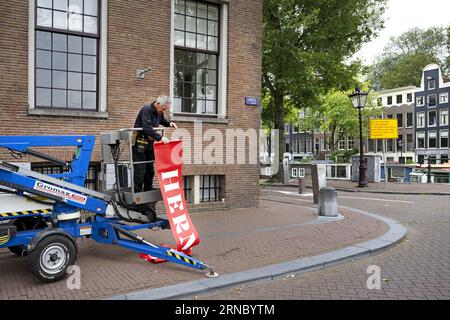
(23, 224)
(151, 214)
(20, 251)
(56, 247)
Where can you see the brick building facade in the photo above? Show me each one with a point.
(69, 67)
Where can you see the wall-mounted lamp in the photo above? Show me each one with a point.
(140, 72)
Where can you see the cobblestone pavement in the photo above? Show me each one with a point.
(417, 268)
(279, 230)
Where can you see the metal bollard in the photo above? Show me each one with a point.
(328, 202)
(301, 185)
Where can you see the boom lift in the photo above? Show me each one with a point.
(40, 214)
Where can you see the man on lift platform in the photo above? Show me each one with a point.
(149, 117)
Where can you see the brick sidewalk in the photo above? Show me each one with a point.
(232, 240)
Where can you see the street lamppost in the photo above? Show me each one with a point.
(359, 99)
(400, 145)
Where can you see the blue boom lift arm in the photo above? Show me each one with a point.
(69, 196)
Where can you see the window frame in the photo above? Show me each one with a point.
(420, 135)
(442, 95)
(435, 117)
(412, 120)
(221, 71)
(435, 138)
(435, 100)
(422, 116)
(440, 139)
(409, 97)
(67, 32)
(434, 84)
(443, 123)
(217, 188)
(389, 101)
(101, 66)
(420, 98)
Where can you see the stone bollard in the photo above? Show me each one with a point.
(328, 202)
(319, 179)
(301, 185)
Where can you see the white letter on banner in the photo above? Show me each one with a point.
(189, 243)
(177, 201)
(181, 223)
(168, 175)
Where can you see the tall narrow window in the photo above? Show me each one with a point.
(409, 119)
(409, 97)
(400, 120)
(420, 140)
(432, 140)
(420, 119)
(399, 98)
(420, 101)
(66, 54)
(409, 142)
(432, 100)
(444, 117)
(196, 57)
(444, 138)
(432, 118)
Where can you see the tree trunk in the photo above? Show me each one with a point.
(279, 125)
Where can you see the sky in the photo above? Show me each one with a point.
(402, 15)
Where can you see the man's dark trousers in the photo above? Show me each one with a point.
(143, 173)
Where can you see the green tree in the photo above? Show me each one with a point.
(338, 119)
(305, 44)
(405, 56)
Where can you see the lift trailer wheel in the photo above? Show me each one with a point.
(24, 224)
(52, 256)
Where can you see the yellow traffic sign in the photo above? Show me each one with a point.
(383, 129)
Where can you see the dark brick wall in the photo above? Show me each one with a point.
(139, 37)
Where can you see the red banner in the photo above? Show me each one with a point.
(168, 161)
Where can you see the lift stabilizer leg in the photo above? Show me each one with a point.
(169, 254)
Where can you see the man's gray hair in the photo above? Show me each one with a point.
(163, 100)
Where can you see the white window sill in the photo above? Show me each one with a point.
(197, 118)
(68, 113)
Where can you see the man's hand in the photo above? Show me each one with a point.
(165, 140)
(173, 125)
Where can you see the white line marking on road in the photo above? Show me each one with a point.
(374, 199)
(340, 197)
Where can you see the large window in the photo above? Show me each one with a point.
(66, 54)
(196, 57)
